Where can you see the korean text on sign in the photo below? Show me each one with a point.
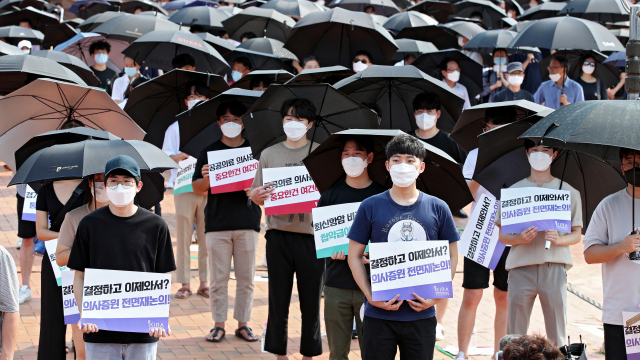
(479, 241)
(295, 192)
(231, 170)
(331, 225)
(51, 246)
(521, 208)
(70, 306)
(185, 175)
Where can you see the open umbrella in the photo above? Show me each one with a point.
(335, 36)
(72, 63)
(617, 59)
(393, 89)
(45, 105)
(199, 127)
(408, 19)
(439, 10)
(542, 11)
(18, 70)
(269, 46)
(79, 45)
(491, 14)
(21, 4)
(55, 35)
(221, 45)
(443, 36)
(412, 47)
(74, 23)
(154, 104)
(75, 8)
(181, 4)
(334, 112)
(95, 20)
(486, 42)
(602, 11)
(607, 73)
(324, 75)
(39, 19)
(131, 28)
(275, 76)
(262, 22)
(470, 71)
(15, 34)
(520, 25)
(96, 7)
(259, 60)
(379, 19)
(157, 48)
(7, 49)
(381, 7)
(297, 9)
(153, 13)
(130, 6)
(622, 35)
(206, 16)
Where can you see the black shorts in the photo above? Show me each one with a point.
(26, 229)
(614, 345)
(477, 276)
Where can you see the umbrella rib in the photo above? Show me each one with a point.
(64, 99)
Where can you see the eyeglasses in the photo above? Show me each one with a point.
(589, 63)
(126, 184)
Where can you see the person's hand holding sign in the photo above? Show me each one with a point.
(205, 172)
(262, 193)
(87, 328)
(422, 304)
(390, 305)
(552, 235)
(159, 332)
(338, 255)
(528, 235)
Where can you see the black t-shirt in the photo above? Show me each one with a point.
(106, 78)
(443, 142)
(508, 95)
(338, 273)
(227, 211)
(48, 201)
(590, 90)
(140, 242)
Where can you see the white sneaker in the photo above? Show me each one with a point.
(439, 332)
(460, 356)
(19, 245)
(24, 294)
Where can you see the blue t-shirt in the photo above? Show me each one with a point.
(380, 219)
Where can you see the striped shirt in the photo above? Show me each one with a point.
(8, 286)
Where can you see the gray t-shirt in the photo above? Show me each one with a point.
(8, 287)
(610, 224)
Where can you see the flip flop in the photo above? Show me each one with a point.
(215, 333)
(189, 293)
(249, 333)
(202, 292)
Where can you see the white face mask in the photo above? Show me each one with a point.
(101, 59)
(540, 161)
(231, 129)
(588, 69)
(454, 76)
(121, 197)
(460, 41)
(359, 66)
(354, 166)
(26, 51)
(515, 79)
(99, 193)
(294, 130)
(554, 77)
(403, 175)
(425, 121)
(236, 75)
(192, 103)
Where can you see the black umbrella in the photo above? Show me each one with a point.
(335, 36)
(297, 9)
(542, 11)
(602, 11)
(157, 48)
(72, 63)
(130, 28)
(259, 60)
(205, 16)
(443, 36)
(381, 7)
(38, 18)
(74, 23)
(221, 45)
(520, 25)
(21, 4)
(491, 14)
(154, 104)
(439, 10)
(393, 89)
(508, 23)
(199, 127)
(408, 19)
(324, 75)
(54, 35)
(7, 49)
(275, 76)
(99, 7)
(15, 34)
(96, 20)
(262, 22)
(488, 41)
(470, 124)
(269, 46)
(607, 73)
(441, 178)
(152, 13)
(412, 47)
(334, 112)
(130, 6)
(18, 70)
(470, 70)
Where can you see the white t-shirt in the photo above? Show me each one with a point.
(462, 91)
(610, 224)
(171, 146)
(123, 104)
(467, 171)
(119, 87)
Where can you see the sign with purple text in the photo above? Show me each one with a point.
(231, 170)
(331, 225)
(185, 175)
(29, 207)
(521, 208)
(295, 192)
(631, 334)
(51, 246)
(127, 301)
(406, 267)
(479, 241)
(70, 306)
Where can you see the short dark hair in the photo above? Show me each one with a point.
(199, 89)
(561, 59)
(248, 35)
(138, 7)
(531, 347)
(499, 49)
(235, 107)
(133, 84)
(122, 172)
(362, 142)
(260, 79)
(300, 108)
(183, 60)
(70, 124)
(475, 13)
(309, 58)
(99, 45)
(365, 53)
(443, 65)
(244, 61)
(584, 58)
(625, 151)
(427, 101)
(500, 116)
(373, 106)
(26, 20)
(528, 144)
(405, 144)
(196, 28)
(369, 7)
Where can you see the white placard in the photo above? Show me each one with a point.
(631, 334)
(185, 175)
(51, 246)
(29, 207)
(479, 241)
(231, 170)
(543, 208)
(70, 306)
(331, 225)
(295, 192)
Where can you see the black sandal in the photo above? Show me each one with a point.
(249, 333)
(215, 333)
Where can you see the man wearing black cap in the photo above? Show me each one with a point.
(121, 236)
(515, 77)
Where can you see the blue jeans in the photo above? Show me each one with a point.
(121, 351)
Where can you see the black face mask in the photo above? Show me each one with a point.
(629, 175)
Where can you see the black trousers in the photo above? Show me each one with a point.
(291, 253)
(614, 345)
(52, 327)
(416, 339)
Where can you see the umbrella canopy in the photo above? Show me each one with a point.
(259, 60)
(491, 14)
(379, 19)
(18, 70)
(221, 45)
(470, 124)
(567, 33)
(57, 34)
(622, 35)
(470, 70)
(269, 46)
(393, 89)
(488, 41)
(408, 19)
(21, 4)
(607, 73)
(439, 10)
(443, 36)
(95, 20)
(154, 104)
(130, 6)
(157, 48)
(275, 76)
(441, 178)
(152, 13)
(39, 19)
(7, 49)
(181, 4)
(542, 11)
(131, 28)
(208, 17)
(412, 47)
(324, 75)
(335, 36)
(199, 127)
(45, 105)
(617, 59)
(72, 63)
(334, 112)
(597, 10)
(79, 45)
(96, 7)
(74, 23)
(262, 22)
(381, 7)
(520, 25)
(75, 7)
(15, 34)
(297, 9)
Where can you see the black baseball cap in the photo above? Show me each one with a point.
(123, 162)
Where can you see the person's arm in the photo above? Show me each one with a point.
(62, 254)
(453, 256)
(564, 240)
(42, 226)
(611, 93)
(296, 65)
(259, 192)
(473, 186)
(524, 237)
(78, 291)
(10, 321)
(600, 253)
(202, 184)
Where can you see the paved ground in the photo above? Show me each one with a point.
(191, 319)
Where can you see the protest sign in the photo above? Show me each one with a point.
(331, 226)
(71, 313)
(479, 241)
(51, 246)
(295, 191)
(406, 267)
(184, 175)
(29, 207)
(128, 301)
(231, 170)
(631, 335)
(543, 208)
